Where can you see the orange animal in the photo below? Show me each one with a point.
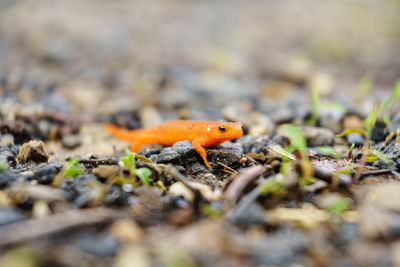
(199, 133)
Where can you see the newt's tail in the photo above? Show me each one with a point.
(123, 134)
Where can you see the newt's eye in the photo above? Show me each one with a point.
(221, 128)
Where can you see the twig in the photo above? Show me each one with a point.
(377, 172)
(96, 162)
(227, 167)
(245, 176)
(34, 228)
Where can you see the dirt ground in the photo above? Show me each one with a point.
(313, 180)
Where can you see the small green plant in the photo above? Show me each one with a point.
(273, 186)
(340, 206)
(71, 169)
(298, 144)
(297, 140)
(316, 106)
(210, 211)
(130, 163)
(374, 155)
(350, 152)
(4, 166)
(328, 151)
(396, 91)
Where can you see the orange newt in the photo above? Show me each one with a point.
(199, 133)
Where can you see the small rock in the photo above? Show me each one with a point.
(105, 171)
(8, 155)
(318, 136)
(322, 82)
(315, 136)
(379, 132)
(352, 121)
(82, 190)
(133, 255)
(376, 222)
(198, 169)
(179, 189)
(331, 117)
(40, 209)
(71, 141)
(7, 140)
(255, 144)
(227, 154)
(116, 196)
(7, 178)
(356, 139)
(45, 174)
(253, 214)
(180, 152)
(394, 123)
(33, 151)
(282, 115)
(98, 244)
(181, 217)
(127, 231)
(10, 215)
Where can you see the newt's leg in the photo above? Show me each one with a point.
(201, 151)
(144, 139)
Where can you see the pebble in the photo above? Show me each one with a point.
(227, 154)
(105, 171)
(45, 174)
(394, 123)
(7, 178)
(356, 139)
(127, 231)
(33, 151)
(318, 136)
(79, 190)
(255, 144)
(179, 153)
(71, 141)
(315, 136)
(8, 155)
(10, 215)
(116, 195)
(179, 189)
(98, 244)
(7, 140)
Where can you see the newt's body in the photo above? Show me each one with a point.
(199, 133)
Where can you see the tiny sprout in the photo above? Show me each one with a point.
(71, 169)
(4, 166)
(130, 163)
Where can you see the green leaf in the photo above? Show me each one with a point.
(125, 161)
(4, 166)
(297, 140)
(144, 175)
(315, 104)
(340, 206)
(295, 136)
(376, 154)
(329, 151)
(277, 149)
(210, 211)
(350, 131)
(271, 187)
(396, 91)
(72, 169)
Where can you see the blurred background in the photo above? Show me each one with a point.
(113, 55)
(68, 66)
